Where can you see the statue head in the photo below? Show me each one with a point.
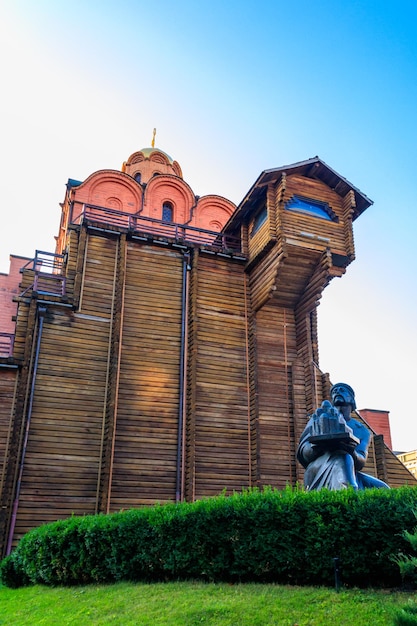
(341, 393)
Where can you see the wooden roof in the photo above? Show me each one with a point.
(311, 168)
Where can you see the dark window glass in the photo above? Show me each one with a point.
(260, 219)
(138, 177)
(315, 208)
(167, 212)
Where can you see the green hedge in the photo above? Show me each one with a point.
(407, 615)
(288, 537)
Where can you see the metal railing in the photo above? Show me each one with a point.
(6, 344)
(46, 262)
(152, 227)
(48, 276)
(48, 267)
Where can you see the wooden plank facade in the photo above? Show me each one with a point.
(170, 369)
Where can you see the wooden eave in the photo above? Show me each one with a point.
(311, 168)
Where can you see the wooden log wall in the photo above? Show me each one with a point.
(62, 461)
(294, 274)
(276, 351)
(271, 232)
(188, 476)
(113, 378)
(219, 445)
(99, 276)
(145, 448)
(259, 239)
(396, 473)
(70, 268)
(277, 197)
(8, 379)
(263, 278)
(349, 205)
(383, 463)
(300, 414)
(24, 318)
(27, 315)
(306, 323)
(253, 384)
(295, 222)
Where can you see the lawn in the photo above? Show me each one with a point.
(192, 603)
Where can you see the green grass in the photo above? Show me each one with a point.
(188, 604)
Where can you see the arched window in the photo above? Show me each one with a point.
(138, 177)
(167, 212)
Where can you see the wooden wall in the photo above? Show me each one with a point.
(8, 378)
(147, 416)
(218, 447)
(63, 456)
(63, 451)
(276, 351)
(295, 223)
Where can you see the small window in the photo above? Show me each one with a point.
(167, 212)
(315, 208)
(138, 177)
(259, 220)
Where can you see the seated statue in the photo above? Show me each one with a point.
(334, 446)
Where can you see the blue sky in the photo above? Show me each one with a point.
(233, 88)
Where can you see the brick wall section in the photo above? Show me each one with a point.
(212, 212)
(9, 287)
(108, 188)
(116, 190)
(379, 422)
(172, 189)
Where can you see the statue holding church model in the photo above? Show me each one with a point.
(334, 445)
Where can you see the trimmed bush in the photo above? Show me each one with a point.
(408, 562)
(407, 615)
(288, 537)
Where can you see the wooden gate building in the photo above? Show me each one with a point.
(167, 350)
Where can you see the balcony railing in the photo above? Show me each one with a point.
(48, 276)
(151, 227)
(46, 262)
(6, 344)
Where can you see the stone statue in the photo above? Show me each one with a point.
(334, 446)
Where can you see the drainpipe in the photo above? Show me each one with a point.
(134, 216)
(179, 495)
(70, 213)
(41, 317)
(143, 185)
(196, 199)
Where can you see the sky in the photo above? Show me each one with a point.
(233, 88)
